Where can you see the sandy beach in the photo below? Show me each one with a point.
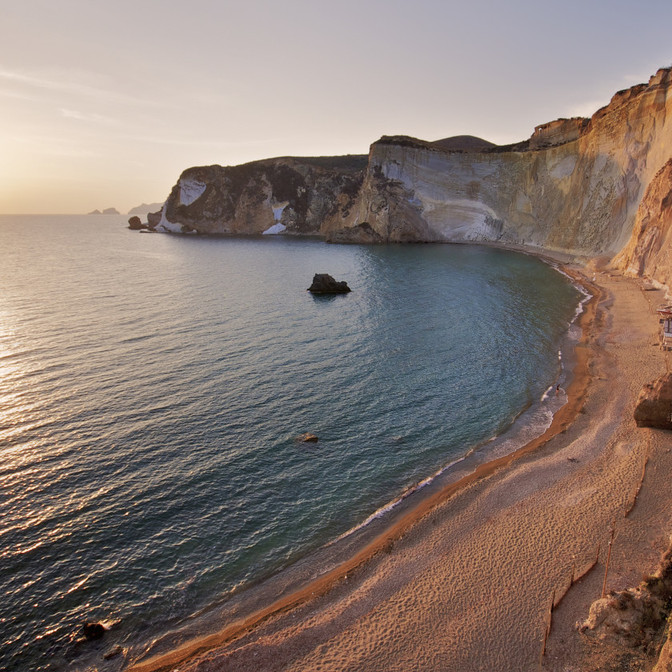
(464, 581)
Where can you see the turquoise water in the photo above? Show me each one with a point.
(152, 386)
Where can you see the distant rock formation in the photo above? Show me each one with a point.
(575, 186)
(463, 143)
(145, 208)
(323, 283)
(107, 211)
(654, 405)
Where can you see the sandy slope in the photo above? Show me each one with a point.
(469, 585)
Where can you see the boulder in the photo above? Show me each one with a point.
(154, 219)
(93, 631)
(654, 404)
(323, 283)
(135, 223)
(630, 617)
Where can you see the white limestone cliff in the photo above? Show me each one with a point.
(574, 187)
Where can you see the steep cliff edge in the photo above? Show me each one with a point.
(649, 250)
(281, 195)
(575, 186)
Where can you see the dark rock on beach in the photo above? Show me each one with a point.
(323, 283)
(654, 405)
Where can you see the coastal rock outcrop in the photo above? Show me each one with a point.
(303, 195)
(107, 211)
(632, 617)
(574, 187)
(654, 405)
(323, 283)
(636, 617)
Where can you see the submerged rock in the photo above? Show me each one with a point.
(113, 653)
(654, 405)
(323, 283)
(307, 438)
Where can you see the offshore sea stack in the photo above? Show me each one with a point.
(575, 186)
(323, 283)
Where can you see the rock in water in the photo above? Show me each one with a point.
(307, 438)
(135, 223)
(113, 653)
(93, 630)
(153, 219)
(323, 283)
(654, 405)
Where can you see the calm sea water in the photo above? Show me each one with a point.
(152, 386)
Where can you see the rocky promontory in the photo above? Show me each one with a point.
(288, 195)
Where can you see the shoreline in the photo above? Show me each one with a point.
(369, 541)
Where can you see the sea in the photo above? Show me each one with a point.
(153, 386)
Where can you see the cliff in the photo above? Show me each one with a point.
(281, 195)
(649, 250)
(575, 187)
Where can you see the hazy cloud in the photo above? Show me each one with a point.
(68, 82)
(87, 117)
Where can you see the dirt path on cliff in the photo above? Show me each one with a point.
(469, 586)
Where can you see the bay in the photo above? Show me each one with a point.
(152, 388)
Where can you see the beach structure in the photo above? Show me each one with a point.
(665, 319)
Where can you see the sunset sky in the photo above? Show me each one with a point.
(103, 104)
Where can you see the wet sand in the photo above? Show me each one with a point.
(464, 580)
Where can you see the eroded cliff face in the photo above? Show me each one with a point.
(649, 250)
(284, 195)
(575, 186)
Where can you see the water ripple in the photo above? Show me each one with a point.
(151, 389)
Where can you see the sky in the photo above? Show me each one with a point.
(104, 103)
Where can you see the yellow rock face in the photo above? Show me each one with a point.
(649, 250)
(574, 187)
